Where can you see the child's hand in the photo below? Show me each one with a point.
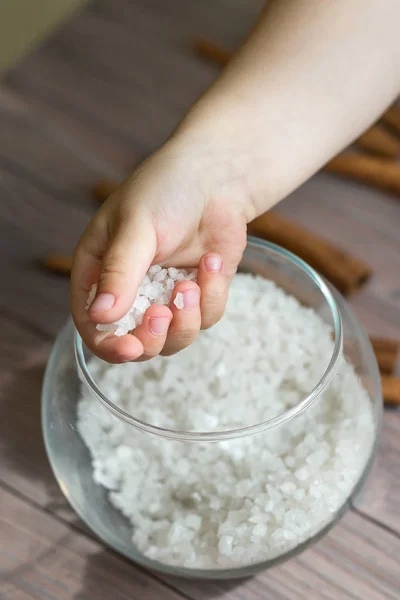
(178, 210)
(292, 98)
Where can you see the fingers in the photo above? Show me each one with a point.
(186, 321)
(114, 349)
(86, 270)
(152, 333)
(214, 284)
(119, 273)
(118, 264)
(126, 260)
(166, 331)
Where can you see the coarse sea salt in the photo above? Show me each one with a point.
(179, 300)
(249, 499)
(156, 288)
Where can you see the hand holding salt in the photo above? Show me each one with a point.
(157, 288)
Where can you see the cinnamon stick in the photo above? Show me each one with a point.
(392, 118)
(103, 189)
(344, 271)
(212, 52)
(391, 390)
(59, 263)
(379, 172)
(377, 140)
(386, 352)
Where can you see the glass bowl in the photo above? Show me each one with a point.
(351, 359)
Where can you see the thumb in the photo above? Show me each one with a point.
(124, 265)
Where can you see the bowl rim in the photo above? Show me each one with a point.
(217, 436)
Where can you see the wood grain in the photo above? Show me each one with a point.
(42, 558)
(112, 155)
(76, 78)
(23, 462)
(38, 148)
(34, 223)
(380, 499)
(356, 561)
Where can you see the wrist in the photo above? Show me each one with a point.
(231, 156)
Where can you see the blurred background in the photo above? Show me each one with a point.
(24, 23)
(87, 90)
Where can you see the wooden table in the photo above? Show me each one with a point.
(104, 91)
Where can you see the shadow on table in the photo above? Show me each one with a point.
(24, 465)
(109, 575)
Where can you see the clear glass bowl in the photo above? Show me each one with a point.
(68, 370)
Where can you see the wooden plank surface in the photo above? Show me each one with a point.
(34, 222)
(24, 466)
(115, 94)
(42, 558)
(56, 159)
(380, 498)
(101, 94)
(356, 561)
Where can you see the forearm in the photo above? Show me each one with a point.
(311, 77)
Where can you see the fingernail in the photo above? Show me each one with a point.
(159, 326)
(213, 263)
(103, 302)
(191, 299)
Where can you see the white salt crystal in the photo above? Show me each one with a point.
(106, 327)
(302, 473)
(290, 461)
(161, 275)
(260, 518)
(274, 495)
(164, 298)
(193, 521)
(299, 494)
(260, 530)
(141, 303)
(154, 269)
(288, 487)
(179, 300)
(192, 276)
(289, 535)
(152, 290)
(124, 452)
(225, 545)
(156, 288)
(315, 492)
(245, 500)
(316, 459)
(146, 280)
(91, 296)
